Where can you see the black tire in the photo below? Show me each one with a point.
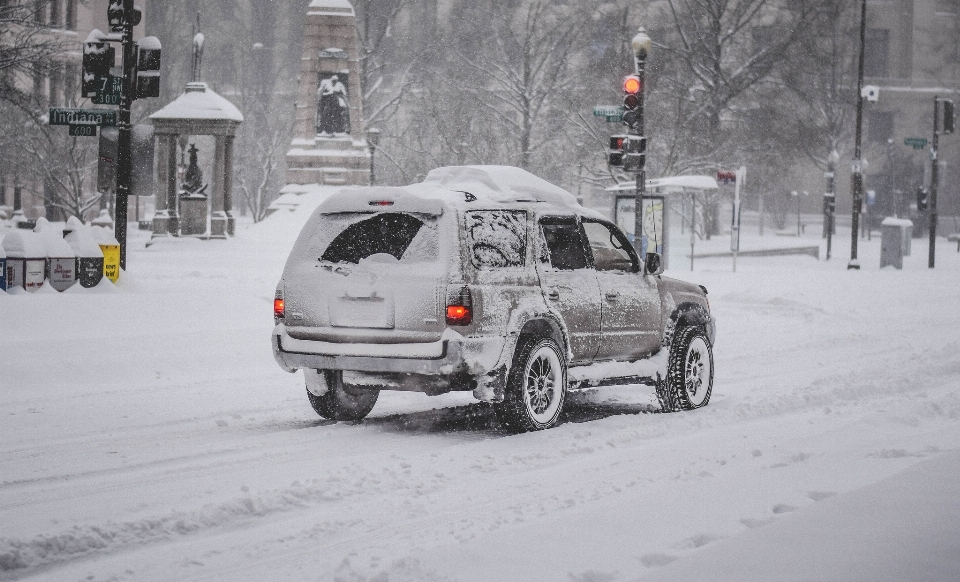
(536, 386)
(341, 402)
(689, 380)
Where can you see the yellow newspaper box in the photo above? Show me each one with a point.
(111, 252)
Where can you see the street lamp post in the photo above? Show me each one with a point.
(857, 177)
(830, 199)
(641, 45)
(373, 138)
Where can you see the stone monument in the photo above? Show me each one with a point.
(329, 146)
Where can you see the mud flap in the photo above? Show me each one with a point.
(316, 382)
(492, 385)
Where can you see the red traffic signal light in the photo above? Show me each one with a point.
(632, 87)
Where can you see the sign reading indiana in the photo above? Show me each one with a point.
(101, 117)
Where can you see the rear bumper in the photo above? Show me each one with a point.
(443, 357)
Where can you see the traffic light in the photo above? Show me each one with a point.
(947, 116)
(829, 203)
(148, 67)
(632, 94)
(615, 154)
(635, 148)
(98, 57)
(117, 16)
(922, 197)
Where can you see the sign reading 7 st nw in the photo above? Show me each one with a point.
(65, 116)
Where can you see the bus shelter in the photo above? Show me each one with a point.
(656, 209)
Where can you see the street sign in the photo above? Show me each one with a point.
(727, 177)
(65, 116)
(612, 113)
(109, 90)
(83, 129)
(917, 143)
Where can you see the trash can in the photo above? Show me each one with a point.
(89, 256)
(61, 259)
(895, 241)
(111, 252)
(26, 260)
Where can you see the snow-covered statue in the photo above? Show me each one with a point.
(333, 107)
(193, 179)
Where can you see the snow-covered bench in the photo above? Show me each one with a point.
(955, 237)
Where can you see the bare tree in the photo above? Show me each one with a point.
(27, 49)
(65, 166)
(526, 60)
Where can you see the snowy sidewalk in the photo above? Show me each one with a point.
(904, 528)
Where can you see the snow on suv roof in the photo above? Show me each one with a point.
(492, 184)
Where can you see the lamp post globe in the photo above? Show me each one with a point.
(641, 45)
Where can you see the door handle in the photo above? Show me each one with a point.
(613, 295)
(553, 294)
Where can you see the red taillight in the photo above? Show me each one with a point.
(278, 308)
(381, 203)
(460, 307)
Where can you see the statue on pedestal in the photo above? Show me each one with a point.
(333, 105)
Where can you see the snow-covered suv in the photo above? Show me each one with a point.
(482, 278)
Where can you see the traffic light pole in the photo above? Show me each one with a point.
(857, 177)
(641, 170)
(124, 148)
(934, 180)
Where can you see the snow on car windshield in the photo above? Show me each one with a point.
(497, 237)
(401, 236)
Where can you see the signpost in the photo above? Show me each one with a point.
(917, 143)
(736, 178)
(612, 113)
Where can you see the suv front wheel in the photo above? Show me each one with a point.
(689, 380)
(536, 387)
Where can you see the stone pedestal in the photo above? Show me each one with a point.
(321, 152)
(193, 215)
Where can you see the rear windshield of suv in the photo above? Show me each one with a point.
(405, 237)
(497, 238)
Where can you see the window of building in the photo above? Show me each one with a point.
(56, 13)
(876, 54)
(879, 126)
(71, 15)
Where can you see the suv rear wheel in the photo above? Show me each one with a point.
(536, 387)
(689, 380)
(341, 402)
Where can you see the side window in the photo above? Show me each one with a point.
(564, 244)
(611, 250)
(497, 238)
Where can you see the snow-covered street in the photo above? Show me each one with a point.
(147, 434)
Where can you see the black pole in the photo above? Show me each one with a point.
(829, 205)
(934, 180)
(124, 169)
(373, 149)
(857, 178)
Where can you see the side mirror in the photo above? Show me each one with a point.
(654, 264)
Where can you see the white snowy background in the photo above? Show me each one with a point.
(147, 434)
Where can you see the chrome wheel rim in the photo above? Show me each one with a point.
(698, 371)
(543, 385)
